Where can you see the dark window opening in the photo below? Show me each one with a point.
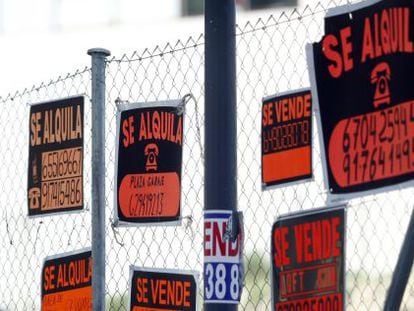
(196, 7)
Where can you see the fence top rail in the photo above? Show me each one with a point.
(159, 50)
(43, 85)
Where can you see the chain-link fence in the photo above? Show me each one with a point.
(270, 59)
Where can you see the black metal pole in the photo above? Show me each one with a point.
(220, 113)
(402, 270)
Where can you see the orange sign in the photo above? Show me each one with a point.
(67, 282)
(55, 176)
(149, 157)
(286, 138)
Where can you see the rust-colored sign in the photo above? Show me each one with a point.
(67, 282)
(149, 156)
(359, 73)
(308, 263)
(55, 170)
(286, 138)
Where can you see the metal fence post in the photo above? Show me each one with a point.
(220, 113)
(402, 270)
(98, 177)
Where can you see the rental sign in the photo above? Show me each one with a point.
(148, 164)
(359, 75)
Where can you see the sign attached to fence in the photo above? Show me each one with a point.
(162, 289)
(308, 261)
(67, 281)
(148, 166)
(359, 73)
(223, 259)
(55, 177)
(286, 138)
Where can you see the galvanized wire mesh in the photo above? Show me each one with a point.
(270, 59)
(24, 242)
(168, 72)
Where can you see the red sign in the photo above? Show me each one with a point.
(359, 73)
(308, 260)
(286, 138)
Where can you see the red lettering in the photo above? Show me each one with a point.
(128, 131)
(346, 48)
(408, 45)
(307, 103)
(281, 247)
(162, 291)
(299, 243)
(186, 298)
(234, 247)
(49, 277)
(385, 28)
(218, 239)
(267, 114)
(340, 62)
(317, 240)
(328, 44)
(378, 50)
(207, 238)
(367, 45)
(336, 252)
(142, 290)
(327, 241)
(307, 242)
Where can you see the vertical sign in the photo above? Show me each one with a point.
(286, 138)
(223, 261)
(67, 282)
(55, 168)
(162, 289)
(148, 166)
(308, 262)
(359, 75)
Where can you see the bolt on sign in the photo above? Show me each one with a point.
(308, 262)
(360, 74)
(67, 281)
(286, 138)
(148, 164)
(55, 168)
(223, 259)
(162, 290)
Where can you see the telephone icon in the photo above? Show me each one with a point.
(151, 151)
(34, 198)
(380, 77)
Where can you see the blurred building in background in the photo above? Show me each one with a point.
(195, 7)
(45, 38)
